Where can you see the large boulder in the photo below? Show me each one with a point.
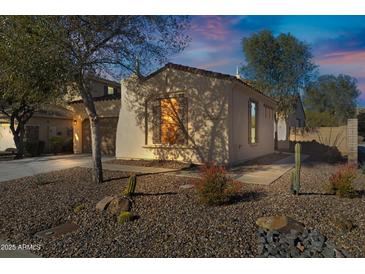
(104, 203)
(279, 223)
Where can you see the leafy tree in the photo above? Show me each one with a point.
(279, 66)
(116, 45)
(331, 100)
(32, 71)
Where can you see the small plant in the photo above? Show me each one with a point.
(131, 187)
(125, 216)
(214, 187)
(341, 182)
(295, 175)
(56, 143)
(78, 208)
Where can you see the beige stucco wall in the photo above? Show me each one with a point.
(207, 117)
(217, 115)
(48, 127)
(240, 147)
(105, 109)
(6, 137)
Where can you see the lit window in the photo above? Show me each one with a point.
(110, 90)
(169, 122)
(252, 122)
(170, 119)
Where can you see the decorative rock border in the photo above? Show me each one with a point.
(283, 237)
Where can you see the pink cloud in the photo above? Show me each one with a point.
(343, 57)
(211, 27)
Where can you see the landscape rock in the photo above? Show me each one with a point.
(104, 203)
(288, 242)
(119, 204)
(280, 223)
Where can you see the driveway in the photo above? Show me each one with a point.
(15, 169)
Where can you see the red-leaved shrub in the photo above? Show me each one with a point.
(214, 187)
(341, 182)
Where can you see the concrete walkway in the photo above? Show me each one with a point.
(135, 169)
(16, 169)
(266, 174)
(256, 174)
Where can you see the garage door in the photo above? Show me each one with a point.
(108, 131)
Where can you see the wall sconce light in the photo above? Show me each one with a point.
(75, 122)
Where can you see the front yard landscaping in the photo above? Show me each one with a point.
(171, 222)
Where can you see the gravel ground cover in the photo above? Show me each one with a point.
(171, 223)
(150, 163)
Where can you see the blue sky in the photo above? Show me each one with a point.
(337, 42)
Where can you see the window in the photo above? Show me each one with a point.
(252, 122)
(32, 133)
(110, 90)
(169, 119)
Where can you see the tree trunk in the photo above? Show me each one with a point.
(96, 149)
(18, 137)
(95, 131)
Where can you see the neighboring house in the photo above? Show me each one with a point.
(73, 123)
(227, 120)
(296, 120)
(45, 124)
(106, 96)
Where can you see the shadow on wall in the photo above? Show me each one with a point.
(319, 152)
(200, 122)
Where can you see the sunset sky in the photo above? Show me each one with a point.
(337, 42)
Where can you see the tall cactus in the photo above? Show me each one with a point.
(131, 187)
(295, 176)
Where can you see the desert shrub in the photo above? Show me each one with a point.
(34, 148)
(214, 187)
(341, 182)
(125, 216)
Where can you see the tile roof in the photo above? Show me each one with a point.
(208, 73)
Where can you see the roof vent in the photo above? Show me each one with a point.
(237, 73)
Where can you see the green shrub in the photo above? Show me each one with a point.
(341, 182)
(125, 216)
(214, 187)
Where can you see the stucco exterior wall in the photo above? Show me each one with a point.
(6, 137)
(217, 119)
(48, 127)
(240, 147)
(207, 118)
(105, 109)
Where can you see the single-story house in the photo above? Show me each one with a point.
(190, 114)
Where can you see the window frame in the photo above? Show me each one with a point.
(158, 103)
(250, 102)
